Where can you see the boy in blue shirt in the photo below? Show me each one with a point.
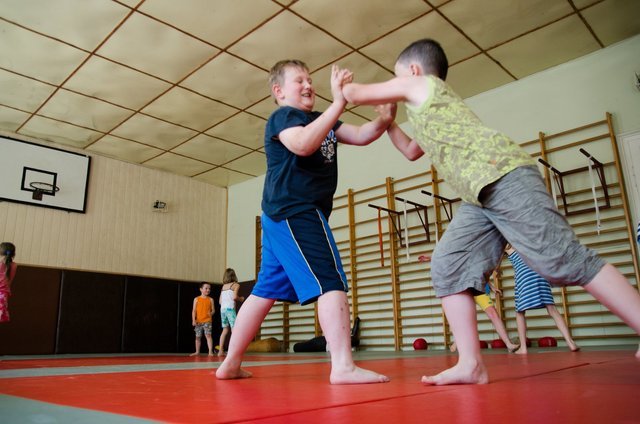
(300, 259)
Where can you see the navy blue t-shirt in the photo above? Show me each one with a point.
(297, 183)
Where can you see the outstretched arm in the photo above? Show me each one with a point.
(405, 144)
(413, 90)
(371, 131)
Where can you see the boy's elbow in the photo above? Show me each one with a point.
(302, 151)
(413, 156)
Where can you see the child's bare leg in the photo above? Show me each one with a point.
(197, 352)
(613, 290)
(562, 326)
(492, 313)
(249, 319)
(521, 323)
(223, 340)
(209, 343)
(333, 313)
(460, 310)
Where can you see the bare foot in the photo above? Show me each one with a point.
(229, 371)
(513, 348)
(573, 347)
(453, 347)
(210, 354)
(522, 350)
(638, 353)
(471, 373)
(356, 375)
(194, 354)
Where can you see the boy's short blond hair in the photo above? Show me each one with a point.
(276, 73)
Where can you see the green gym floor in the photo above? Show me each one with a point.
(551, 385)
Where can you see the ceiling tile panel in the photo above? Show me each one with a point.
(84, 111)
(381, 16)
(36, 56)
(288, 37)
(211, 150)
(243, 129)
(557, 43)
(212, 80)
(23, 93)
(264, 108)
(156, 49)
(254, 163)
(122, 149)
(614, 20)
(178, 165)
(81, 23)
(476, 75)
(59, 132)
(223, 177)
(219, 22)
(386, 50)
(153, 132)
(11, 119)
(492, 22)
(132, 3)
(197, 66)
(115, 83)
(581, 4)
(189, 109)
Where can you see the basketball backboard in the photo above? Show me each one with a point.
(43, 176)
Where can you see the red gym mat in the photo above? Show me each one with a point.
(539, 387)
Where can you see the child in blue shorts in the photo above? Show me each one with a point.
(504, 200)
(300, 259)
(228, 297)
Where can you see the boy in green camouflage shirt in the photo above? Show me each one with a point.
(504, 200)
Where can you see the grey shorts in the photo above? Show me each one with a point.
(516, 209)
(203, 326)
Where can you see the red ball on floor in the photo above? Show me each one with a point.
(498, 344)
(547, 342)
(420, 344)
(484, 345)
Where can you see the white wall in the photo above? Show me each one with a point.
(560, 98)
(119, 233)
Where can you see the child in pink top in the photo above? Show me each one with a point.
(7, 274)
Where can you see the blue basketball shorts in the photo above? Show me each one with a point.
(300, 259)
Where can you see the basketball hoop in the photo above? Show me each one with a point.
(40, 188)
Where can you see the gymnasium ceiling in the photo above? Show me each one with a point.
(181, 85)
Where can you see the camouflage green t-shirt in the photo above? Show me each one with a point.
(467, 154)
